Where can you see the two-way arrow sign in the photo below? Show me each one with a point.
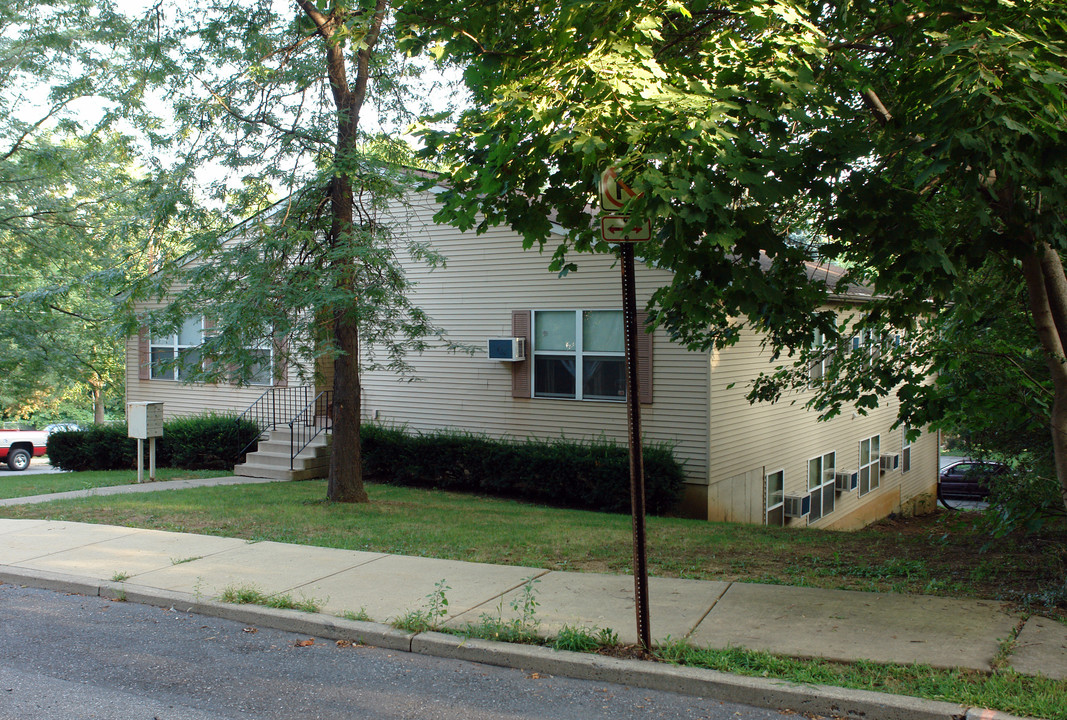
(614, 194)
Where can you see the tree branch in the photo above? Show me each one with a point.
(874, 103)
(18, 143)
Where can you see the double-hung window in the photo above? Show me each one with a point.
(821, 485)
(262, 368)
(174, 355)
(821, 363)
(870, 471)
(775, 498)
(579, 354)
(905, 450)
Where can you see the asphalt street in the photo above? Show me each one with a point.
(38, 466)
(72, 656)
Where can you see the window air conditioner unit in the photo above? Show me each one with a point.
(889, 462)
(846, 480)
(796, 507)
(511, 349)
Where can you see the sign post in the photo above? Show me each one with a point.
(144, 421)
(614, 194)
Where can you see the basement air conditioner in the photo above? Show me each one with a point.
(889, 462)
(797, 507)
(846, 480)
(512, 349)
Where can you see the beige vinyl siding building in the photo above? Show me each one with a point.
(491, 288)
(487, 279)
(748, 442)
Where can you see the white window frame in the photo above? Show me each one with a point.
(175, 347)
(269, 347)
(825, 487)
(768, 508)
(579, 354)
(817, 369)
(905, 450)
(873, 466)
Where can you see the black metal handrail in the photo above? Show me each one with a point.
(275, 408)
(316, 418)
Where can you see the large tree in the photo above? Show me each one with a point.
(297, 101)
(914, 142)
(70, 236)
(74, 217)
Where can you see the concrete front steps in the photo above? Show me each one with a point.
(271, 460)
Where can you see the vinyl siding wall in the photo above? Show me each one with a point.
(751, 440)
(487, 277)
(181, 399)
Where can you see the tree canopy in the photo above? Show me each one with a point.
(76, 213)
(287, 117)
(916, 144)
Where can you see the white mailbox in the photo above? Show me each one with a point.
(144, 420)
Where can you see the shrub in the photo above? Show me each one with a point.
(207, 442)
(98, 447)
(201, 442)
(593, 475)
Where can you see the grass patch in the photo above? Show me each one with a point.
(120, 577)
(357, 615)
(1004, 690)
(431, 615)
(182, 561)
(14, 485)
(250, 595)
(935, 555)
(939, 554)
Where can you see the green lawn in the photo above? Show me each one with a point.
(14, 484)
(940, 554)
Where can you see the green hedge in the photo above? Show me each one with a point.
(590, 475)
(201, 442)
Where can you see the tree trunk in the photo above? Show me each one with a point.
(1046, 285)
(346, 459)
(98, 400)
(346, 468)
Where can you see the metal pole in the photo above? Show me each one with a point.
(637, 465)
(140, 460)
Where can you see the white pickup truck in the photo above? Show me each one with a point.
(18, 446)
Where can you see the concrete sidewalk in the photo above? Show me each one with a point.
(832, 624)
(136, 488)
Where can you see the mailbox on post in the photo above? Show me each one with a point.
(144, 420)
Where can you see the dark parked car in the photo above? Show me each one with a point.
(968, 480)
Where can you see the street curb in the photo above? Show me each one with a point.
(978, 714)
(759, 692)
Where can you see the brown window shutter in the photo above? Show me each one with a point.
(520, 371)
(281, 364)
(644, 360)
(209, 330)
(144, 355)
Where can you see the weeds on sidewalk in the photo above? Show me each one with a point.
(580, 639)
(519, 629)
(1002, 689)
(250, 595)
(430, 616)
